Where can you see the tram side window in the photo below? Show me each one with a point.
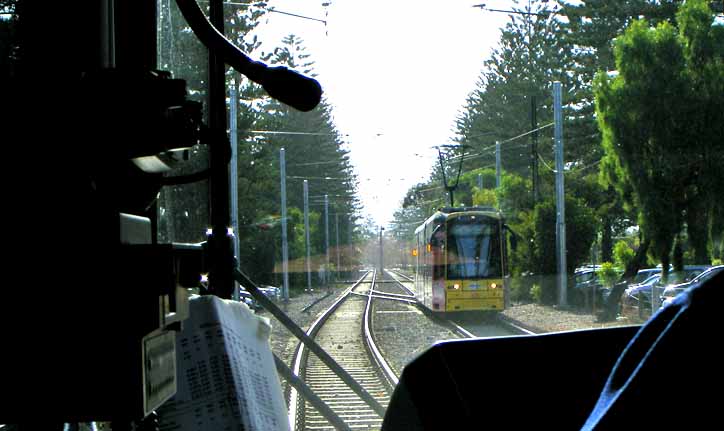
(437, 244)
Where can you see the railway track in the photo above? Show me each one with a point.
(344, 331)
(466, 327)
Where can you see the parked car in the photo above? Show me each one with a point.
(271, 292)
(586, 281)
(644, 274)
(639, 294)
(672, 290)
(246, 298)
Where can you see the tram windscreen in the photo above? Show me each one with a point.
(473, 250)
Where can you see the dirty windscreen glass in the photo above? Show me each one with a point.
(452, 104)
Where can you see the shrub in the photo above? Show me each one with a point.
(607, 274)
(536, 293)
(519, 289)
(622, 254)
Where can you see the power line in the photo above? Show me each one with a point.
(546, 164)
(271, 9)
(315, 163)
(316, 178)
(512, 139)
(527, 133)
(584, 167)
(569, 171)
(298, 16)
(283, 132)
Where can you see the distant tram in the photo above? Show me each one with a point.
(461, 260)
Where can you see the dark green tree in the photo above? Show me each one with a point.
(590, 28)
(9, 48)
(580, 233)
(529, 57)
(648, 124)
(313, 151)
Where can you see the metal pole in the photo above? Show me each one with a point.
(382, 260)
(480, 181)
(306, 234)
(350, 247)
(560, 196)
(534, 148)
(234, 178)
(326, 236)
(336, 233)
(285, 246)
(497, 164)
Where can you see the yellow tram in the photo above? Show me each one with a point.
(461, 260)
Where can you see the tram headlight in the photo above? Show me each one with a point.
(493, 285)
(455, 286)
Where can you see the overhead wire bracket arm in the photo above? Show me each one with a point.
(287, 86)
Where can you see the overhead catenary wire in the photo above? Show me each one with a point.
(505, 141)
(294, 177)
(314, 163)
(522, 135)
(571, 171)
(271, 9)
(284, 132)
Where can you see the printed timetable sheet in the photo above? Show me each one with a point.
(227, 379)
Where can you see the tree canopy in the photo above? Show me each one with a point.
(661, 117)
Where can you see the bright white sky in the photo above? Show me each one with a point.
(397, 74)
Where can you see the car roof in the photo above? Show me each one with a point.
(645, 270)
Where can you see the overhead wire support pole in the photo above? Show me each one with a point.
(560, 196)
(285, 245)
(534, 149)
(326, 238)
(382, 260)
(306, 235)
(497, 165)
(336, 242)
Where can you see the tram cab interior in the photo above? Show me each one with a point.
(84, 100)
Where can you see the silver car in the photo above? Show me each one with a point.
(673, 290)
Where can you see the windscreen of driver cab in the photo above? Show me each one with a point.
(473, 249)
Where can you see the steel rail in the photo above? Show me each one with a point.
(390, 375)
(400, 283)
(399, 274)
(518, 328)
(459, 329)
(397, 295)
(308, 342)
(412, 301)
(299, 385)
(299, 355)
(452, 326)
